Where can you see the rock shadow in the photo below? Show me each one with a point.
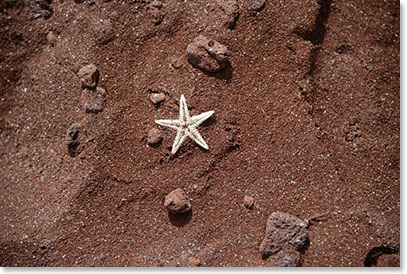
(180, 219)
(225, 74)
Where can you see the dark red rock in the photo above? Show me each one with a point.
(89, 76)
(283, 231)
(207, 54)
(177, 202)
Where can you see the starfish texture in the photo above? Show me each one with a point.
(186, 126)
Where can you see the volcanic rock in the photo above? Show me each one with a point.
(207, 54)
(177, 202)
(283, 230)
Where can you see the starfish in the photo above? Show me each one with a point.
(186, 126)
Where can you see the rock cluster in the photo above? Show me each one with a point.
(93, 97)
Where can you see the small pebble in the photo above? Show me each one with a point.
(51, 39)
(231, 10)
(72, 134)
(93, 100)
(157, 98)
(177, 202)
(157, 15)
(194, 262)
(154, 136)
(89, 75)
(176, 62)
(255, 5)
(248, 201)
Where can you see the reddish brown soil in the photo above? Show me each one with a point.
(307, 122)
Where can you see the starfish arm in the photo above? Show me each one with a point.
(179, 139)
(197, 120)
(194, 134)
(169, 123)
(183, 109)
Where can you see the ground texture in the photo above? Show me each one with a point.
(306, 123)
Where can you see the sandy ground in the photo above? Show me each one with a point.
(306, 122)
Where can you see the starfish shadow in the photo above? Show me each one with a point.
(209, 122)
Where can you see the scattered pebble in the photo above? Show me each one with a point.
(154, 136)
(255, 5)
(231, 10)
(157, 15)
(248, 201)
(194, 262)
(89, 75)
(283, 230)
(157, 98)
(51, 39)
(176, 62)
(207, 54)
(177, 202)
(72, 135)
(93, 100)
(105, 31)
(288, 258)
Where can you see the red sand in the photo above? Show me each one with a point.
(307, 122)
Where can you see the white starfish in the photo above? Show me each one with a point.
(186, 126)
